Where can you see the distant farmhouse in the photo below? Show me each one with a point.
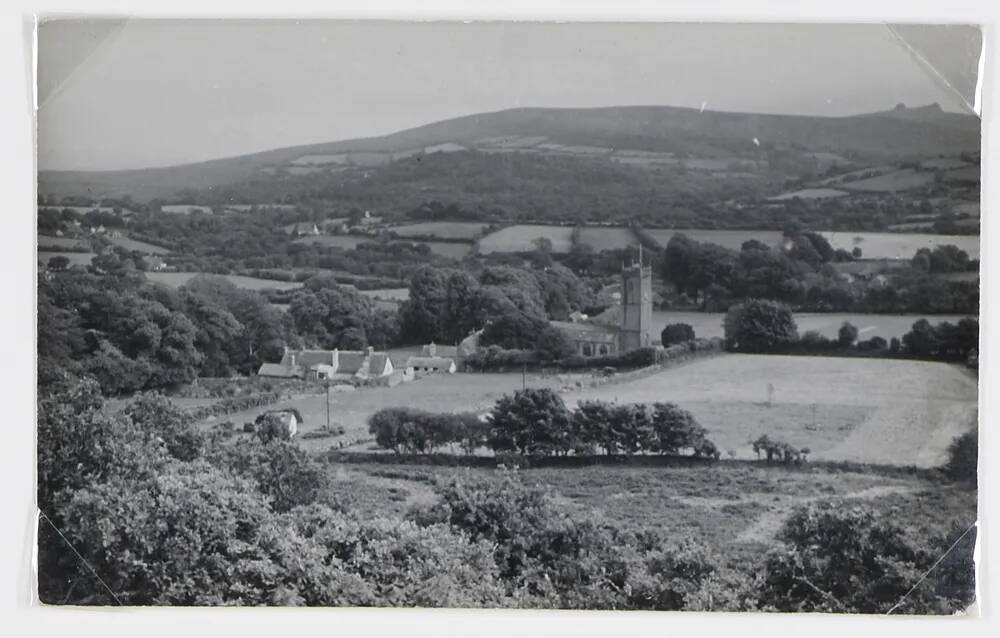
(636, 318)
(321, 365)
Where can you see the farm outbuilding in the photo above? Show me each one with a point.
(431, 365)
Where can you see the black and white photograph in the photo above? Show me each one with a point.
(530, 315)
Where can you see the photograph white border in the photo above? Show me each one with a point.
(17, 347)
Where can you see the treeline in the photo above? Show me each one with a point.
(804, 276)
(496, 359)
(537, 423)
(764, 326)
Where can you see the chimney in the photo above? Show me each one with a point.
(293, 359)
(432, 349)
(369, 350)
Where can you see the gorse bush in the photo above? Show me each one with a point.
(547, 557)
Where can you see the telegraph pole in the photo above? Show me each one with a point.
(328, 406)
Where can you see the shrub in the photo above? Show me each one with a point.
(676, 333)
(963, 457)
(894, 345)
(839, 558)
(759, 325)
(847, 335)
(533, 422)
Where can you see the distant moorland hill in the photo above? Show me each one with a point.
(657, 137)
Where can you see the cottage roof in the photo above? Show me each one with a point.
(377, 363)
(279, 370)
(435, 363)
(308, 358)
(350, 361)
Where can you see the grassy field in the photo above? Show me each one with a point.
(393, 294)
(520, 238)
(62, 242)
(901, 180)
(444, 230)
(810, 193)
(608, 238)
(75, 259)
(140, 246)
(709, 324)
(867, 410)
(178, 279)
(899, 245)
(347, 242)
(454, 250)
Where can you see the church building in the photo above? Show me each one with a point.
(635, 317)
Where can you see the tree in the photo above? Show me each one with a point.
(551, 344)
(847, 335)
(534, 421)
(188, 535)
(676, 333)
(759, 325)
(282, 471)
(839, 558)
(59, 262)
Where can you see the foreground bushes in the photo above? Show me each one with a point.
(536, 422)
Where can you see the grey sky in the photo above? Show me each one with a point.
(139, 93)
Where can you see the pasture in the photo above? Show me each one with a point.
(521, 238)
(452, 250)
(75, 259)
(138, 246)
(178, 279)
(50, 241)
(899, 245)
(900, 180)
(810, 193)
(607, 238)
(866, 410)
(444, 230)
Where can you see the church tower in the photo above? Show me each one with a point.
(637, 306)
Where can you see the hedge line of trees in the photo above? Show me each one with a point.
(764, 326)
(536, 422)
(494, 359)
(803, 275)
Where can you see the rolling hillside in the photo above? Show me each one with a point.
(652, 136)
